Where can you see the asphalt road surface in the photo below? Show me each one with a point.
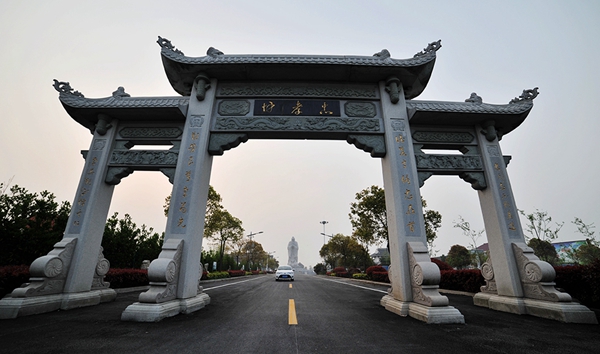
(310, 315)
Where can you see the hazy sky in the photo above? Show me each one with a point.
(285, 188)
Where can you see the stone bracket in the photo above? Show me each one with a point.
(48, 273)
(487, 271)
(423, 176)
(391, 86)
(537, 276)
(477, 180)
(424, 276)
(373, 144)
(163, 273)
(114, 175)
(201, 84)
(221, 142)
(169, 172)
(102, 267)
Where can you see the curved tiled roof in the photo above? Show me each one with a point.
(506, 117)
(120, 106)
(413, 73)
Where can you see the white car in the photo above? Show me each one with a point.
(284, 272)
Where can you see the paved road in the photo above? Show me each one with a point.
(252, 315)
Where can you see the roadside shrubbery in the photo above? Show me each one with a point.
(218, 275)
(469, 280)
(582, 282)
(11, 277)
(236, 273)
(126, 278)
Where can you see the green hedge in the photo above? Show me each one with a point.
(581, 282)
(126, 277)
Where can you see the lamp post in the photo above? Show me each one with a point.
(323, 233)
(250, 236)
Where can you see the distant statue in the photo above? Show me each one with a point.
(293, 252)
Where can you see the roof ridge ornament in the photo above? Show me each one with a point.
(166, 44)
(383, 54)
(527, 95)
(120, 93)
(474, 98)
(214, 52)
(431, 48)
(65, 87)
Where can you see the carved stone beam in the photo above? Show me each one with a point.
(103, 124)
(392, 88)
(221, 142)
(201, 84)
(374, 144)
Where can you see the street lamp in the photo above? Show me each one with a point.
(250, 236)
(323, 233)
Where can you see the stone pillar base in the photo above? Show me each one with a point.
(13, 307)
(146, 312)
(569, 312)
(435, 315)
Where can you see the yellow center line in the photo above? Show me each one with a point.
(292, 320)
(290, 286)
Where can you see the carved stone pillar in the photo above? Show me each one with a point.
(175, 286)
(63, 279)
(518, 281)
(411, 270)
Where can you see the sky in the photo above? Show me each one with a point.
(286, 188)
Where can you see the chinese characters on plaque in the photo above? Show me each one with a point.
(329, 108)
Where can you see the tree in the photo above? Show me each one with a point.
(368, 216)
(478, 257)
(320, 268)
(542, 233)
(212, 203)
(588, 253)
(538, 225)
(345, 251)
(30, 224)
(458, 257)
(254, 252)
(126, 245)
(544, 250)
(223, 228)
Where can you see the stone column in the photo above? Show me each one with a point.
(90, 210)
(413, 276)
(502, 225)
(174, 274)
(523, 283)
(63, 278)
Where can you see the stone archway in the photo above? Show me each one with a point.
(226, 100)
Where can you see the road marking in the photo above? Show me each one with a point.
(292, 320)
(358, 286)
(228, 284)
(290, 286)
